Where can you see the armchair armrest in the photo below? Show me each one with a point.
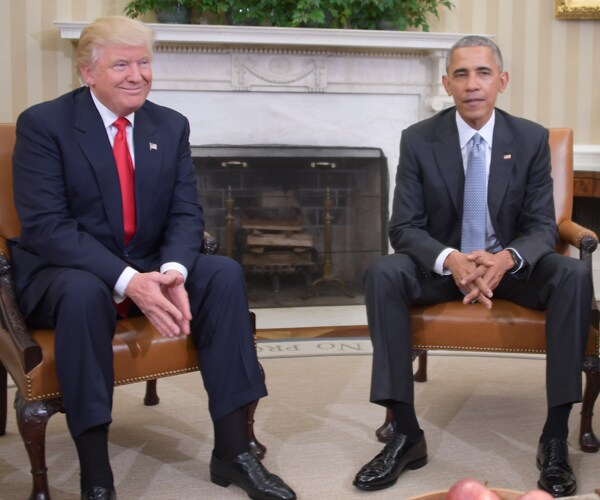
(17, 344)
(586, 241)
(19, 352)
(209, 244)
(580, 237)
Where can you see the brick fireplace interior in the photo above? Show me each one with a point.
(304, 222)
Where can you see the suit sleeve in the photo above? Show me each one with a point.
(48, 229)
(536, 232)
(408, 229)
(182, 237)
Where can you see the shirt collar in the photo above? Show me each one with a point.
(465, 132)
(108, 117)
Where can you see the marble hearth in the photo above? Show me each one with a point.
(261, 86)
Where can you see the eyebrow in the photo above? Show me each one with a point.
(478, 68)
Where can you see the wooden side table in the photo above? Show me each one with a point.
(586, 199)
(586, 184)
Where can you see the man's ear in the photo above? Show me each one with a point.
(446, 84)
(504, 77)
(86, 73)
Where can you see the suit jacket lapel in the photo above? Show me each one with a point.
(449, 160)
(95, 145)
(148, 164)
(501, 165)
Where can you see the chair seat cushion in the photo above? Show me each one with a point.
(507, 327)
(141, 353)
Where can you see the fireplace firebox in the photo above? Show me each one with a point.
(304, 222)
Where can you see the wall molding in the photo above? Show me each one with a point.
(586, 157)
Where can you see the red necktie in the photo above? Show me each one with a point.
(126, 177)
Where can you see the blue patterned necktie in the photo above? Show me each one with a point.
(475, 199)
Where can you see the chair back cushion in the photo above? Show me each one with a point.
(9, 222)
(561, 156)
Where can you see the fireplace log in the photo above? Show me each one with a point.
(296, 240)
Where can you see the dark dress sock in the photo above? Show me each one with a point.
(94, 463)
(405, 420)
(557, 422)
(231, 435)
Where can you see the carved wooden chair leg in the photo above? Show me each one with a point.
(32, 419)
(587, 439)
(421, 373)
(255, 445)
(3, 399)
(151, 398)
(384, 433)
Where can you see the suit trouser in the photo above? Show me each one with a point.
(560, 285)
(79, 307)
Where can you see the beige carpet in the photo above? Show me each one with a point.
(482, 416)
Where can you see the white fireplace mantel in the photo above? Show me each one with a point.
(232, 36)
(259, 58)
(177, 38)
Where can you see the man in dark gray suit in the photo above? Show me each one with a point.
(95, 235)
(515, 258)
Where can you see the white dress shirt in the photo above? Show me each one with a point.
(465, 134)
(108, 118)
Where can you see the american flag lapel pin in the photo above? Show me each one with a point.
(507, 156)
(153, 147)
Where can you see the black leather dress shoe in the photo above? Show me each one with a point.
(247, 472)
(557, 476)
(99, 493)
(398, 454)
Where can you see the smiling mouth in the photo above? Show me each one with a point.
(134, 90)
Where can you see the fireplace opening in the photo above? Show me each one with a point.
(304, 222)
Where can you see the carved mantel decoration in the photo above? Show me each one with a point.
(292, 59)
(304, 71)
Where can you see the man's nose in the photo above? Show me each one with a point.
(472, 81)
(134, 73)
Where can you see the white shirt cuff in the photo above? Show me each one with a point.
(130, 272)
(175, 266)
(121, 284)
(438, 266)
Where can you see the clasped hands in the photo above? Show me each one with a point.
(478, 273)
(164, 301)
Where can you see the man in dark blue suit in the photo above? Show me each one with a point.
(86, 246)
(514, 258)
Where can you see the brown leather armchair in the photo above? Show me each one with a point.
(141, 354)
(508, 327)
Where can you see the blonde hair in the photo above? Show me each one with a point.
(111, 30)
